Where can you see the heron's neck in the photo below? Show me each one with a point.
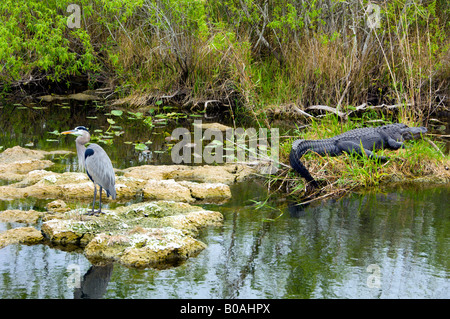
(81, 149)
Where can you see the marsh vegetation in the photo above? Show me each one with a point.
(313, 68)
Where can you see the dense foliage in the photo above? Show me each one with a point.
(251, 53)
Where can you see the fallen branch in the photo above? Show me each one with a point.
(328, 109)
(361, 107)
(298, 110)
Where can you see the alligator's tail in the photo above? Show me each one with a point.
(294, 159)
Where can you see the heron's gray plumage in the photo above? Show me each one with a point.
(100, 169)
(96, 162)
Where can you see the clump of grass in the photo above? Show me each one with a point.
(418, 160)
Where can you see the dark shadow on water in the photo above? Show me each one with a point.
(94, 282)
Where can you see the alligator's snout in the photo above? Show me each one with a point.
(413, 132)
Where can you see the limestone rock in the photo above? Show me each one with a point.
(144, 247)
(20, 216)
(214, 126)
(227, 174)
(146, 172)
(207, 191)
(76, 96)
(17, 161)
(140, 235)
(71, 185)
(57, 206)
(167, 190)
(22, 235)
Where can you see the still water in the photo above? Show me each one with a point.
(391, 243)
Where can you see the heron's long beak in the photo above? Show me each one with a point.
(69, 132)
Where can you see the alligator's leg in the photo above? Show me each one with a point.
(350, 147)
(389, 142)
(393, 144)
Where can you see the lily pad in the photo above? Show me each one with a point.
(141, 147)
(117, 112)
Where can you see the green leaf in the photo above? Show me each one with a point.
(117, 112)
(141, 147)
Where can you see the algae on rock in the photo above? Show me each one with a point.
(140, 235)
(145, 247)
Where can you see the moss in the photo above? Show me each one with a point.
(148, 247)
(140, 235)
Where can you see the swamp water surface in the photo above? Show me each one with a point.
(380, 244)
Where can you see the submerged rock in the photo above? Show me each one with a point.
(76, 96)
(140, 235)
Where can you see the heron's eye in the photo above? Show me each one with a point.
(78, 128)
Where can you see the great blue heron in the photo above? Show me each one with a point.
(97, 164)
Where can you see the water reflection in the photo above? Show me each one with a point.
(94, 282)
(323, 252)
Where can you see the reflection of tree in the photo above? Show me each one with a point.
(248, 267)
(338, 240)
(322, 253)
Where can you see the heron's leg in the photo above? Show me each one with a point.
(95, 195)
(100, 203)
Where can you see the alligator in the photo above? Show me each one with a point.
(362, 141)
